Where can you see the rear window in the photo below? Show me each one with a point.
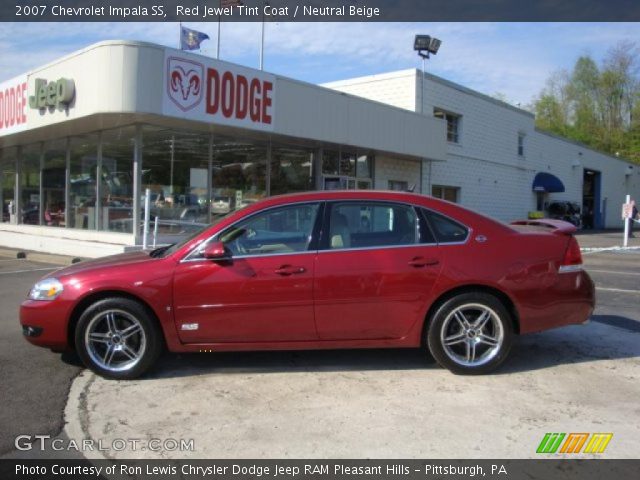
(445, 229)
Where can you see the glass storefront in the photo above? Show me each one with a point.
(291, 170)
(346, 170)
(53, 183)
(83, 181)
(88, 182)
(239, 174)
(116, 180)
(29, 173)
(175, 168)
(8, 159)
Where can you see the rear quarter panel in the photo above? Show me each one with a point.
(524, 266)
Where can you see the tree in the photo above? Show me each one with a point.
(598, 106)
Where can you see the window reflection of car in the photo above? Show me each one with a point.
(31, 216)
(221, 205)
(246, 202)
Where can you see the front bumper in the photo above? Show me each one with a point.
(45, 323)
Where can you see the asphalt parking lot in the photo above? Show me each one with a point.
(342, 404)
(35, 382)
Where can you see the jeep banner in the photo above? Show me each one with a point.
(13, 105)
(218, 92)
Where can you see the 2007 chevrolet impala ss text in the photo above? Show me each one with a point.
(320, 270)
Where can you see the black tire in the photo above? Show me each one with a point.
(118, 338)
(454, 346)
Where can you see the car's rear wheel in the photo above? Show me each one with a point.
(117, 338)
(470, 333)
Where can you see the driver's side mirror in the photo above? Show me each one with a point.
(215, 251)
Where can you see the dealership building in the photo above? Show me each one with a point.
(83, 138)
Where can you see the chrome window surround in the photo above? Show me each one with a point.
(414, 206)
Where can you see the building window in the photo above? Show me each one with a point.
(240, 173)
(8, 158)
(116, 181)
(346, 170)
(175, 169)
(291, 169)
(521, 144)
(82, 182)
(451, 194)
(30, 184)
(398, 185)
(54, 183)
(363, 166)
(453, 124)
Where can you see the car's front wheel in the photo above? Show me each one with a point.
(470, 333)
(117, 338)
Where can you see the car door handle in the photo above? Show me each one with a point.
(420, 262)
(290, 270)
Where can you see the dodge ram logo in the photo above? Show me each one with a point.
(184, 82)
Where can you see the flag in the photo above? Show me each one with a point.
(191, 39)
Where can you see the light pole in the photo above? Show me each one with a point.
(425, 45)
(264, 5)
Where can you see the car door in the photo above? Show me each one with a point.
(375, 270)
(262, 291)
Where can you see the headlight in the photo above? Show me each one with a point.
(47, 289)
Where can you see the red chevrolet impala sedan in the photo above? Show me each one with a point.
(350, 269)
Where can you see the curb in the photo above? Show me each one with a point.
(76, 415)
(39, 256)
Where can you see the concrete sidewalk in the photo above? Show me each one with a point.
(38, 256)
(605, 239)
(370, 404)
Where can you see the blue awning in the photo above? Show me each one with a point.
(547, 183)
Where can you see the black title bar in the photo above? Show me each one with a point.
(320, 10)
(543, 469)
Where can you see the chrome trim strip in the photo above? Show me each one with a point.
(384, 247)
(238, 257)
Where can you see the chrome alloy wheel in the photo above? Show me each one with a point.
(115, 340)
(472, 335)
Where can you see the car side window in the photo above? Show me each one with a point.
(368, 224)
(279, 230)
(444, 228)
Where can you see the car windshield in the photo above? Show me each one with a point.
(167, 250)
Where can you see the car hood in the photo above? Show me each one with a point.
(119, 260)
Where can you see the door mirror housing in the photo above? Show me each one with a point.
(215, 251)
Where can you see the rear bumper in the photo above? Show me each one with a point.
(45, 324)
(569, 301)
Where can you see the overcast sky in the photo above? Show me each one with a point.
(514, 59)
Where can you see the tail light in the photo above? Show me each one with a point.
(572, 260)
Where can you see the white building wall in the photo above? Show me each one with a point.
(397, 88)
(485, 164)
(567, 160)
(387, 168)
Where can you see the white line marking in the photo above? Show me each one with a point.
(617, 290)
(586, 250)
(32, 270)
(613, 271)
